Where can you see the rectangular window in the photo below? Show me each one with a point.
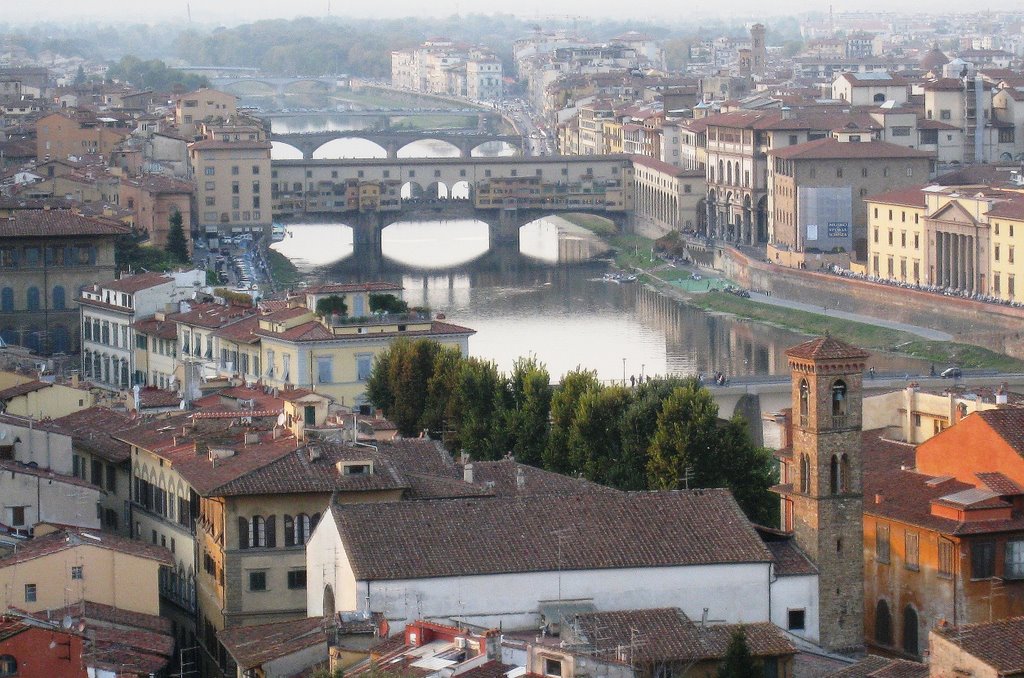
(17, 516)
(258, 581)
(945, 558)
(323, 370)
(911, 541)
(209, 171)
(795, 620)
(76, 571)
(30, 593)
(552, 667)
(882, 543)
(983, 559)
(297, 579)
(363, 365)
(1013, 564)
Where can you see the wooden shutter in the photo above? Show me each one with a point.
(243, 533)
(289, 531)
(271, 531)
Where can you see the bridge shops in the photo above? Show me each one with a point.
(307, 187)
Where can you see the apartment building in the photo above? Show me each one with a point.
(203, 105)
(109, 312)
(46, 257)
(153, 199)
(77, 133)
(670, 197)
(817, 190)
(232, 178)
(156, 352)
(484, 76)
(199, 348)
(961, 238)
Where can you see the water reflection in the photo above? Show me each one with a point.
(539, 240)
(319, 122)
(310, 246)
(349, 147)
(435, 244)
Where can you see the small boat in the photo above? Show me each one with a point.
(277, 232)
(619, 277)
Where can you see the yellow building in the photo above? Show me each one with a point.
(232, 178)
(334, 353)
(1006, 257)
(203, 105)
(51, 571)
(896, 235)
(28, 397)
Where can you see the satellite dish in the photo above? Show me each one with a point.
(67, 621)
(181, 405)
(281, 419)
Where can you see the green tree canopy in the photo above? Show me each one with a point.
(527, 410)
(564, 403)
(738, 662)
(332, 305)
(481, 419)
(388, 303)
(177, 245)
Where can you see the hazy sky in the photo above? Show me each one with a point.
(241, 11)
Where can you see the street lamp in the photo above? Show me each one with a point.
(623, 373)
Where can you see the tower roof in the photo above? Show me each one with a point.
(825, 348)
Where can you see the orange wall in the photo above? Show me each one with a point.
(966, 448)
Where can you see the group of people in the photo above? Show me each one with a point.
(719, 378)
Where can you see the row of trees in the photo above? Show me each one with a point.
(154, 74)
(662, 434)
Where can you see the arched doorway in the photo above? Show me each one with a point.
(910, 631)
(883, 624)
(328, 601)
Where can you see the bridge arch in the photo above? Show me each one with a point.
(306, 86)
(500, 149)
(450, 149)
(461, 190)
(249, 87)
(281, 150)
(349, 146)
(413, 190)
(438, 190)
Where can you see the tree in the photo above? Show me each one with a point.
(738, 662)
(440, 415)
(388, 303)
(564, 402)
(398, 382)
(685, 435)
(79, 77)
(638, 425)
(481, 426)
(177, 246)
(332, 305)
(748, 471)
(529, 395)
(595, 441)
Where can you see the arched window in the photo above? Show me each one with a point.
(728, 173)
(805, 398)
(844, 473)
(805, 473)
(879, 98)
(834, 481)
(910, 644)
(59, 303)
(839, 398)
(328, 601)
(8, 665)
(257, 532)
(32, 299)
(7, 300)
(301, 528)
(883, 624)
(721, 171)
(61, 340)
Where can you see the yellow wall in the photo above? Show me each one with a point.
(104, 574)
(54, 402)
(1007, 236)
(906, 227)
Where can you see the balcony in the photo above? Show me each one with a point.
(378, 319)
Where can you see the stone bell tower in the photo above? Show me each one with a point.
(826, 491)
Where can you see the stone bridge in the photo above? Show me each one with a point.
(393, 142)
(244, 85)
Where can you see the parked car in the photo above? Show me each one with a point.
(951, 373)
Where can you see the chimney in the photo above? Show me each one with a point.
(251, 437)
(1001, 396)
(467, 472)
(520, 478)
(879, 498)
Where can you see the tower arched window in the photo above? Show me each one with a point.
(805, 473)
(257, 532)
(883, 624)
(32, 299)
(805, 398)
(834, 472)
(910, 632)
(844, 473)
(59, 302)
(839, 403)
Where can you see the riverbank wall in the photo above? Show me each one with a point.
(993, 326)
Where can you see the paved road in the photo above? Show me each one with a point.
(924, 332)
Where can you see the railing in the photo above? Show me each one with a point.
(378, 319)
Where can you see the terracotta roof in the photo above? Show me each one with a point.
(75, 537)
(22, 389)
(664, 167)
(999, 483)
(1008, 424)
(35, 223)
(11, 466)
(670, 636)
(242, 332)
(334, 288)
(826, 348)
(251, 646)
(314, 330)
(161, 329)
(502, 478)
(604, 530)
(90, 429)
(999, 644)
(154, 397)
(909, 196)
(211, 315)
(1008, 209)
(882, 667)
(133, 283)
(212, 144)
(831, 148)
(925, 123)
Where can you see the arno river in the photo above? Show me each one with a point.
(523, 302)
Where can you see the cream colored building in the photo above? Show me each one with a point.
(28, 397)
(897, 241)
(156, 352)
(671, 198)
(203, 105)
(914, 415)
(30, 495)
(67, 566)
(232, 180)
(334, 354)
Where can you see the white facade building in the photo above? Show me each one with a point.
(493, 561)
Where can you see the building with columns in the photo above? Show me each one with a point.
(962, 238)
(667, 196)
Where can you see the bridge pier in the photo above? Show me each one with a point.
(366, 240)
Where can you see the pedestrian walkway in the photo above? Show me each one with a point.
(923, 332)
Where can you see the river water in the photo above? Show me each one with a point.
(520, 299)
(522, 302)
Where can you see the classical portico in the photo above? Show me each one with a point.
(959, 241)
